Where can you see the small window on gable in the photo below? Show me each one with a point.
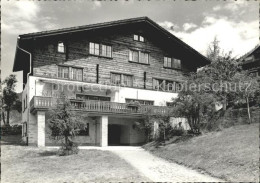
(135, 37)
(61, 47)
(141, 38)
(138, 38)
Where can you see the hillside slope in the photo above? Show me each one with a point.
(231, 154)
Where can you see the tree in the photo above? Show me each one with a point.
(213, 50)
(10, 99)
(220, 72)
(194, 102)
(247, 88)
(65, 124)
(147, 125)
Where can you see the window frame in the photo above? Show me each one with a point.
(70, 73)
(171, 63)
(100, 49)
(122, 75)
(64, 48)
(139, 36)
(139, 56)
(77, 69)
(62, 73)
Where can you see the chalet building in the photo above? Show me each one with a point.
(114, 72)
(251, 61)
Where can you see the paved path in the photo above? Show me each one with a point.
(160, 170)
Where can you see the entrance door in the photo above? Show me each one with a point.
(114, 132)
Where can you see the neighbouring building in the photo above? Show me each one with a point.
(113, 71)
(251, 61)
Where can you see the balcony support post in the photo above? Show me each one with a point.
(103, 131)
(40, 116)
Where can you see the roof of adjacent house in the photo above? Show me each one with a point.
(251, 52)
(76, 29)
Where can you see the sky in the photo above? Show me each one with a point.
(234, 23)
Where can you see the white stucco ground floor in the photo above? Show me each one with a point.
(101, 130)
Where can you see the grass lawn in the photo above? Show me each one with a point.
(30, 164)
(231, 154)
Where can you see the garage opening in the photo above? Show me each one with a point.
(114, 133)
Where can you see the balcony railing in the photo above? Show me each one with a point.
(45, 103)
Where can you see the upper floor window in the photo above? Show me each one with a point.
(76, 74)
(138, 38)
(172, 63)
(166, 85)
(63, 72)
(67, 72)
(61, 47)
(94, 48)
(100, 49)
(127, 80)
(139, 56)
(106, 51)
(122, 79)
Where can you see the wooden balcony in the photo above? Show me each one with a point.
(98, 107)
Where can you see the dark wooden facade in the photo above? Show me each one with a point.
(119, 35)
(251, 61)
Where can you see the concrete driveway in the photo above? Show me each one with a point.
(158, 169)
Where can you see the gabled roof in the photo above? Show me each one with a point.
(203, 59)
(257, 47)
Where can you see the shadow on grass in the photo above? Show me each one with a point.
(48, 153)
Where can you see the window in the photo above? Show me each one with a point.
(115, 79)
(138, 56)
(67, 72)
(61, 48)
(76, 74)
(100, 49)
(133, 56)
(122, 79)
(142, 102)
(141, 38)
(166, 85)
(172, 63)
(138, 38)
(84, 131)
(158, 84)
(167, 62)
(176, 63)
(143, 57)
(106, 51)
(63, 72)
(127, 80)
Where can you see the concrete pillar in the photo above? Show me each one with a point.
(40, 128)
(103, 131)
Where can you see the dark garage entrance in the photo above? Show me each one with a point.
(114, 133)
